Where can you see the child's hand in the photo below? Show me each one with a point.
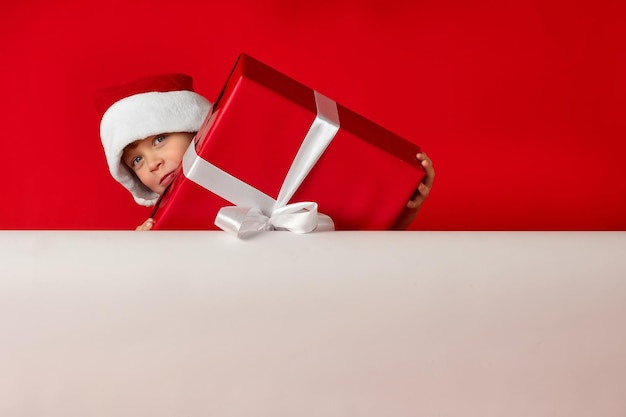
(423, 189)
(420, 195)
(147, 225)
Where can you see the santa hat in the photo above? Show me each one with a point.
(145, 107)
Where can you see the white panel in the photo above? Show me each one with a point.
(328, 324)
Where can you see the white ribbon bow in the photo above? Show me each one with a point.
(297, 217)
(255, 210)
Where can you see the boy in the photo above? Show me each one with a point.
(148, 124)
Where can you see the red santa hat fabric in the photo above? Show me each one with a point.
(149, 106)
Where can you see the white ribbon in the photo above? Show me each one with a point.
(255, 210)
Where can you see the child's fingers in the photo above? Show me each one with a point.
(427, 164)
(428, 167)
(424, 190)
(419, 196)
(147, 225)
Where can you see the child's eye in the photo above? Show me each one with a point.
(135, 161)
(159, 138)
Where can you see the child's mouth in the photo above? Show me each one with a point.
(167, 179)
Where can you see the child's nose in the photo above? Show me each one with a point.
(155, 163)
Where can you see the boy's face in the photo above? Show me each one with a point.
(155, 158)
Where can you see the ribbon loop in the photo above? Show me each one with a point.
(238, 221)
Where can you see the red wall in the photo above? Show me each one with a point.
(520, 104)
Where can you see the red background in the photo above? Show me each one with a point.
(521, 104)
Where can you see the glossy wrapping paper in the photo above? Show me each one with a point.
(362, 180)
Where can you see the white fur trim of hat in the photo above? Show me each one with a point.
(139, 116)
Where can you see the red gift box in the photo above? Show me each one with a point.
(362, 180)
